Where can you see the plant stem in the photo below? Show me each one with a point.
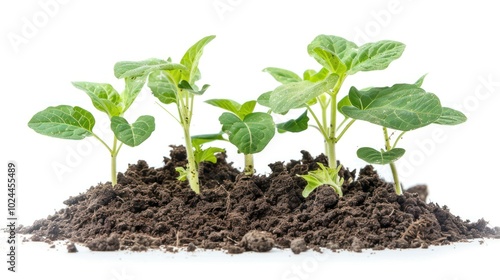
(192, 168)
(330, 140)
(249, 167)
(397, 184)
(185, 114)
(114, 154)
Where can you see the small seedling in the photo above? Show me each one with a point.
(76, 123)
(174, 83)
(339, 58)
(402, 107)
(249, 131)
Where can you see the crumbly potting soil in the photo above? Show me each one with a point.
(149, 208)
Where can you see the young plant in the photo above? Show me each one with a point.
(174, 83)
(249, 131)
(401, 107)
(76, 123)
(339, 58)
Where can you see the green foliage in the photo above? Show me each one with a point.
(323, 176)
(76, 123)
(64, 122)
(133, 134)
(338, 59)
(373, 156)
(402, 107)
(175, 83)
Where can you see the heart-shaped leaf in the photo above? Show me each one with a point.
(133, 134)
(64, 122)
(250, 135)
(373, 156)
(402, 107)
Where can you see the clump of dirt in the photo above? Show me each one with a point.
(149, 208)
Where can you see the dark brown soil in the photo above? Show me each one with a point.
(149, 208)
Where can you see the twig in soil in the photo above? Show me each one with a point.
(177, 238)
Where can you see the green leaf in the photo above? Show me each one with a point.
(191, 60)
(420, 81)
(163, 87)
(313, 76)
(192, 89)
(282, 75)
(183, 174)
(340, 56)
(199, 140)
(104, 97)
(402, 107)
(450, 117)
(373, 156)
(250, 135)
(133, 134)
(336, 53)
(133, 86)
(329, 60)
(376, 56)
(207, 155)
(125, 69)
(263, 99)
(343, 102)
(64, 122)
(226, 104)
(234, 107)
(296, 125)
(296, 95)
(323, 176)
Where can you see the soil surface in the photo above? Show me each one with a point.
(149, 208)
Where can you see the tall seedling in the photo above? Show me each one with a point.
(175, 84)
(339, 58)
(76, 123)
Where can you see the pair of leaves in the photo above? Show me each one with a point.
(341, 56)
(76, 123)
(106, 99)
(166, 79)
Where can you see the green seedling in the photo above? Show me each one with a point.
(339, 58)
(174, 83)
(401, 107)
(249, 131)
(76, 123)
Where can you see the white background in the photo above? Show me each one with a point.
(46, 46)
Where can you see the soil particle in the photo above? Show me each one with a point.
(104, 244)
(71, 248)
(258, 241)
(149, 208)
(298, 245)
(190, 247)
